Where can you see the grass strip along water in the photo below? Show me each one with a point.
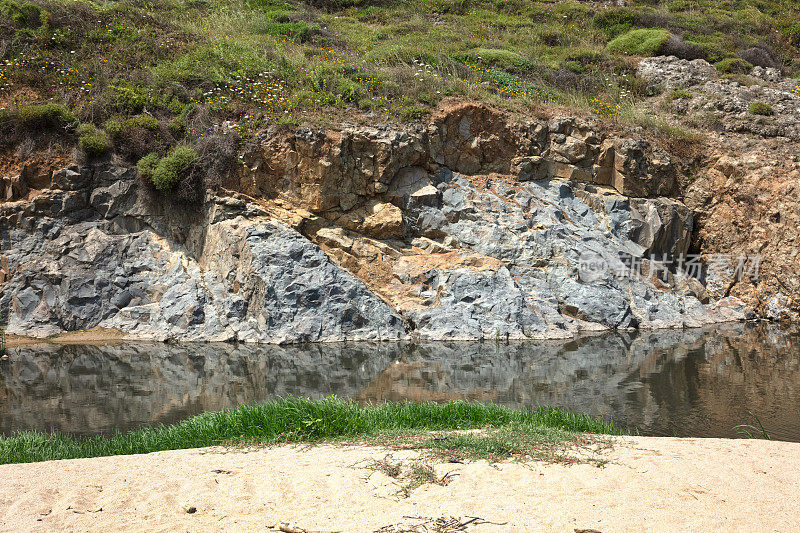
(291, 420)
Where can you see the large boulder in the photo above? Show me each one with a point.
(673, 73)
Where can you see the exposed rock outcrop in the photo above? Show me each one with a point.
(674, 73)
(727, 101)
(474, 227)
(335, 171)
(104, 256)
(744, 190)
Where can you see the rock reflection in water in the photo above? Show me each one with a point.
(683, 383)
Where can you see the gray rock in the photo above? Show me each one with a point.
(674, 73)
(245, 278)
(543, 232)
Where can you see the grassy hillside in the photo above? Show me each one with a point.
(143, 76)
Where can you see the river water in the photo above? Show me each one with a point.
(693, 383)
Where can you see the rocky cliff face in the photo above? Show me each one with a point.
(100, 254)
(744, 193)
(476, 226)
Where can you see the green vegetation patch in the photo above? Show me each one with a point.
(298, 420)
(147, 165)
(733, 65)
(118, 126)
(23, 15)
(641, 42)
(266, 63)
(45, 115)
(495, 56)
(760, 108)
(680, 94)
(171, 168)
(92, 140)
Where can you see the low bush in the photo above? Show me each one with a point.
(118, 126)
(299, 31)
(676, 46)
(217, 158)
(613, 16)
(92, 140)
(792, 33)
(642, 42)
(45, 115)
(172, 167)
(760, 108)
(496, 56)
(137, 136)
(217, 64)
(759, 56)
(733, 65)
(574, 66)
(147, 166)
(23, 15)
(680, 94)
(125, 98)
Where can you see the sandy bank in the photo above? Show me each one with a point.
(648, 484)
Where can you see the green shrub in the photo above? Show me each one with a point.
(299, 31)
(642, 42)
(574, 66)
(117, 126)
(93, 141)
(170, 168)
(23, 15)
(733, 65)
(680, 94)
(760, 108)
(614, 21)
(266, 4)
(792, 33)
(126, 98)
(177, 125)
(45, 115)
(606, 18)
(147, 165)
(349, 90)
(496, 56)
(217, 64)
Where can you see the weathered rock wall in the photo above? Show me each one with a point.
(744, 192)
(103, 255)
(473, 227)
(334, 171)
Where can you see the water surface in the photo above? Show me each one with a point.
(698, 383)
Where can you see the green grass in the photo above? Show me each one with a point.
(641, 42)
(302, 420)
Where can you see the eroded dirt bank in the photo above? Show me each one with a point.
(647, 484)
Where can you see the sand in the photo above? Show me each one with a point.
(663, 484)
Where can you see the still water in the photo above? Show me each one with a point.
(698, 383)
